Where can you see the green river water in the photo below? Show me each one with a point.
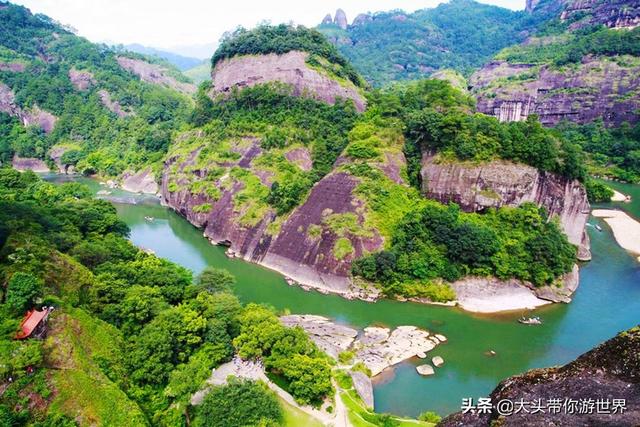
(607, 301)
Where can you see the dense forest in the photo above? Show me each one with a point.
(460, 35)
(95, 139)
(139, 328)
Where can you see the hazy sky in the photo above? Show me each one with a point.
(170, 24)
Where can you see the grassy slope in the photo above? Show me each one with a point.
(199, 73)
(79, 350)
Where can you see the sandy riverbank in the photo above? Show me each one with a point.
(626, 230)
(619, 197)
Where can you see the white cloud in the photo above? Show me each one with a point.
(167, 24)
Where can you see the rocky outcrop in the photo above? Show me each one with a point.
(341, 19)
(81, 80)
(608, 373)
(15, 67)
(327, 20)
(28, 163)
(33, 117)
(612, 13)
(607, 88)
(153, 73)
(56, 154)
(289, 68)
(378, 348)
(501, 183)
(491, 295)
(111, 105)
(142, 181)
(362, 19)
(363, 386)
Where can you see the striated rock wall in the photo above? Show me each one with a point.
(598, 87)
(153, 73)
(610, 371)
(34, 117)
(289, 68)
(477, 187)
(612, 13)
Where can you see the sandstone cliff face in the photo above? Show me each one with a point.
(612, 13)
(289, 68)
(82, 80)
(153, 73)
(301, 244)
(33, 117)
(610, 371)
(499, 183)
(598, 87)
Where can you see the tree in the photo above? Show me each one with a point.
(237, 404)
(215, 280)
(22, 290)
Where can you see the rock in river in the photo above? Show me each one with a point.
(425, 370)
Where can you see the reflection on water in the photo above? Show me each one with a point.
(607, 301)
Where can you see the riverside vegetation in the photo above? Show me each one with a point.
(134, 336)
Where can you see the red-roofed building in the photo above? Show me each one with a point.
(34, 324)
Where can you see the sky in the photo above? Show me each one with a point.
(193, 27)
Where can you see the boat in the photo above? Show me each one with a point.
(598, 227)
(530, 321)
(148, 218)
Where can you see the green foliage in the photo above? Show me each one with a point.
(430, 417)
(598, 192)
(342, 248)
(461, 35)
(612, 152)
(103, 141)
(215, 280)
(239, 403)
(287, 352)
(570, 48)
(481, 138)
(440, 242)
(346, 356)
(281, 39)
(22, 290)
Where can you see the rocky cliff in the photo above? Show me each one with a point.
(476, 187)
(596, 87)
(290, 68)
(301, 245)
(154, 73)
(608, 373)
(30, 117)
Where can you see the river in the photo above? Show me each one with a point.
(607, 301)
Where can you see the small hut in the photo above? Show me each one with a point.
(34, 324)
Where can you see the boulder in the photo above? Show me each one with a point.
(425, 370)
(363, 386)
(437, 361)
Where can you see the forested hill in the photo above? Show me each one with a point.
(461, 34)
(60, 95)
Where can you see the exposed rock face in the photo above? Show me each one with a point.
(531, 5)
(610, 371)
(35, 117)
(612, 13)
(111, 105)
(361, 19)
(16, 67)
(327, 19)
(289, 68)
(140, 182)
(341, 19)
(27, 163)
(301, 157)
(490, 295)
(81, 80)
(378, 348)
(499, 183)
(364, 387)
(598, 87)
(153, 73)
(56, 154)
(293, 249)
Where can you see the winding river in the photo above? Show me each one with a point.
(607, 301)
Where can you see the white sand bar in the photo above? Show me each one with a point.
(618, 197)
(626, 230)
